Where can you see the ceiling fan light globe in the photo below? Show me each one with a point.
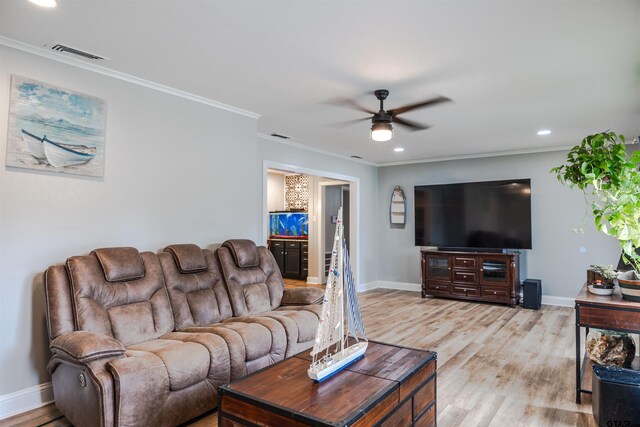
(381, 132)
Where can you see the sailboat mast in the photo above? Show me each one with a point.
(341, 272)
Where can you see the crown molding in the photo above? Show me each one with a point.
(293, 143)
(417, 161)
(477, 156)
(45, 53)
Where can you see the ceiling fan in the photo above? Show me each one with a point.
(382, 128)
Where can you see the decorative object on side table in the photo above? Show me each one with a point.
(610, 348)
(601, 279)
(602, 169)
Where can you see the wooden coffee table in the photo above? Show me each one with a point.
(389, 386)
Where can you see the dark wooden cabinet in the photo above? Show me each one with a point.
(292, 257)
(491, 277)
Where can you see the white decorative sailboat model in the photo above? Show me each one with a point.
(331, 351)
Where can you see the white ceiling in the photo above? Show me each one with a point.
(512, 67)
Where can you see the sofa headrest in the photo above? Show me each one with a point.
(120, 264)
(244, 252)
(188, 257)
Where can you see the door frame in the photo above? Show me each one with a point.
(321, 229)
(315, 225)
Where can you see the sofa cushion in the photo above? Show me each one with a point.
(244, 252)
(120, 264)
(253, 342)
(302, 296)
(198, 298)
(252, 290)
(188, 257)
(131, 311)
(186, 362)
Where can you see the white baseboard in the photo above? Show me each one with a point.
(363, 287)
(559, 301)
(25, 400)
(416, 287)
(312, 280)
(402, 286)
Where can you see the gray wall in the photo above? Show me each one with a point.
(368, 175)
(275, 192)
(175, 171)
(559, 256)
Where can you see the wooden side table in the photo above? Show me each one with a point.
(602, 312)
(389, 386)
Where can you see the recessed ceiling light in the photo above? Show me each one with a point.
(544, 132)
(398, 149)
(45, 3)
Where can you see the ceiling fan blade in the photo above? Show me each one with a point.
(349, 103)
(348, 122)
(422, 104)
(412, 126)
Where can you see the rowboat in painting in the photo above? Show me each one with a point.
(61, 155)
(55, 153)
(35, 145)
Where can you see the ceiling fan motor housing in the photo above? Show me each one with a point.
(382, 117)
(381, 94)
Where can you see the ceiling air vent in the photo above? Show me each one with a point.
(277, 135)
(66, 49)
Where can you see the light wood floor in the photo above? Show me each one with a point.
(497, 366)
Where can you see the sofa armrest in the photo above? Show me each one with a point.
(83, 346)
(302, 296)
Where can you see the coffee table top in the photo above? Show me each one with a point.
(285, 387)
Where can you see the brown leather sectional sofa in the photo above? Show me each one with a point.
(145, 339)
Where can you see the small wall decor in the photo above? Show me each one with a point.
(55, 129)
(398, 208)
(296, 192)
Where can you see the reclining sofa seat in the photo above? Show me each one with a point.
(200, 304)
(116, 359)
(136, 338)
(256, 289)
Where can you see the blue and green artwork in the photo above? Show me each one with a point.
(55, 129)
(289, 224)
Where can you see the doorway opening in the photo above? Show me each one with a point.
(300, 206)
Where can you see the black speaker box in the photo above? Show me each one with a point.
(532, 289)
(616, 396)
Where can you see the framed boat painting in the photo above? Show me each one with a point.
(55, 129)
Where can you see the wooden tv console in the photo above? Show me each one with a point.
(477, 276)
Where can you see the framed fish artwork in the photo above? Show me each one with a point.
(55, 129)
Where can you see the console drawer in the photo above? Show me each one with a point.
(292, 245)
(465, 276)
(468, 291)
(275, 244)
(437, 288)
(495, 292)
(464, 262)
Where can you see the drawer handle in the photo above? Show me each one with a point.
(495, 293)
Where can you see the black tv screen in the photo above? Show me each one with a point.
(487, 215)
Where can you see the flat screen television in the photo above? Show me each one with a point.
(289, 224)
(474, 215)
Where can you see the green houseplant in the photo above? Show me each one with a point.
(601, 168)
